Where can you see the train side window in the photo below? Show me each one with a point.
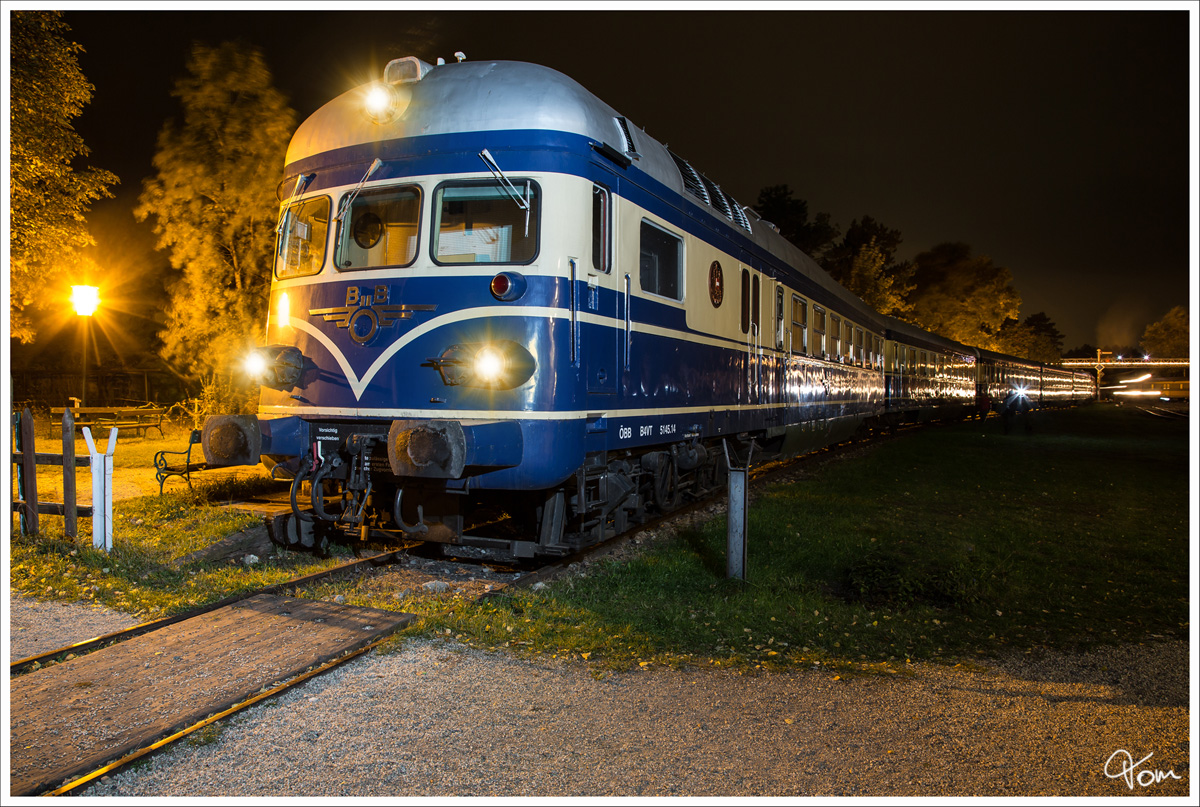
(601, 229)
(835, 337)
(660, 269)
(779, 322)
(818, 331)
(481, 222)
(924, 358)
(799, 325)
(754, 304)
(745, 301)
(859, 357)
(300, 250)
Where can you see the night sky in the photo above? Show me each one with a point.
(1056, 142)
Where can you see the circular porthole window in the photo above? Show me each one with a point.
(367, 230)
(716, 284)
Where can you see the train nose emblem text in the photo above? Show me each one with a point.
(366, 311)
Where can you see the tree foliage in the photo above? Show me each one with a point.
(790, 215)
(962, 296)
(49, 198)
(214, 206)
(1168, 338)
(864, 262)
(1037, 338)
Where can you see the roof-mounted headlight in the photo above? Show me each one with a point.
(382, 102)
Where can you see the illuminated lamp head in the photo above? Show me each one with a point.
(85, 300)
(275, 366)
(489, 365)
(382, 102)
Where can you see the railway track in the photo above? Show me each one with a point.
(448, 571)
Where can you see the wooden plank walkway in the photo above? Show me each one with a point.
(74, 717)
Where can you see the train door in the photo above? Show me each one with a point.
(596, 283)
(751, 316)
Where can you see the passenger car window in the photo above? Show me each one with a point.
(661, 262)
(380, 229)
(799, 325)
(300, 248)
(601, 234)
(481, 222)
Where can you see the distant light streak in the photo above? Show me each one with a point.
(1135, 380)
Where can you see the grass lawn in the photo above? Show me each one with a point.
(949, 542)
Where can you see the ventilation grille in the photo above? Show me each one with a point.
(691, 180)
(623, 125)
(718, 198)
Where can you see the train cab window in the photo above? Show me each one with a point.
(484, 222)
(780, 330)
(818, 331)
(380, 229)
(799, 325)
(660, 269)
(300, 250)
(601, 229)
(835, 337)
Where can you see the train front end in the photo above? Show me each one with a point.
(419, 341)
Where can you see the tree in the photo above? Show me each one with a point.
(864, 262)
(1037, 338)
(776, 205)
(49, 198)
(962, 297)
(1168, 338)
(214, 206)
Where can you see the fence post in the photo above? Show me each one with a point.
(70, 507)
(102, 472)
(27, 481)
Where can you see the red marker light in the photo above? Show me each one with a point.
(501, 284)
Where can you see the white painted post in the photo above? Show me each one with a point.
(102, 474)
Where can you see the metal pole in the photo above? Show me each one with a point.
(83, 392)
(739, 505)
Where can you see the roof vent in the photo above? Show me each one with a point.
(408, 70)
(691, 180)
(623, 125)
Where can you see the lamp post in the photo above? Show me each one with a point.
(85, 299)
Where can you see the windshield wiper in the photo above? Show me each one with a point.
(510, 189)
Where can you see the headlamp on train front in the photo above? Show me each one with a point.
(382, 102)
(501, 364)
(275, 366)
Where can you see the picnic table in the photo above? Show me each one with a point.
(139, 418)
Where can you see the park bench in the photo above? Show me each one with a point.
(165, 469)
(139, 418)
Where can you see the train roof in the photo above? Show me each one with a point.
(500, 95)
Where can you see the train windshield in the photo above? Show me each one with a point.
(481, 222)
(301, 247)
(380, 229)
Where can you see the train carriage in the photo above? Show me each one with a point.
(493, 290)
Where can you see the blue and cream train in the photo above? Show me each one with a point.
(492, 291)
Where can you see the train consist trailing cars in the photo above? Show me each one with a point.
(492, 290)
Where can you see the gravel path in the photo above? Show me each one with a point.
(438, 719)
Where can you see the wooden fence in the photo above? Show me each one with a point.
(26, 458)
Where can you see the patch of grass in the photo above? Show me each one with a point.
(140, 576)
(947, 543)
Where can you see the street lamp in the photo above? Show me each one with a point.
(85, 299)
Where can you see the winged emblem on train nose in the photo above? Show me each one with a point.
(366, 312)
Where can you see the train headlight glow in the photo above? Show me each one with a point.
(382, 103)
(497, 365)
(489, 365)
(256, 365)
(276, 366)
